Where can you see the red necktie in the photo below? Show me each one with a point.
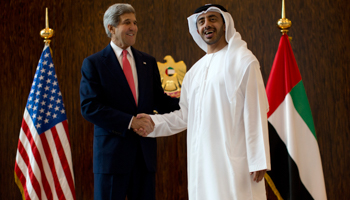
(128, 74)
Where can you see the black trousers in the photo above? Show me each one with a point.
(139, 184)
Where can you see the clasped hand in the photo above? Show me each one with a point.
(142, 124)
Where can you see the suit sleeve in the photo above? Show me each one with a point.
(93, 106)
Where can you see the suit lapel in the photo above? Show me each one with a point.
(112, 64)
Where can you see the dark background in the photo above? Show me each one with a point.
(320, 43)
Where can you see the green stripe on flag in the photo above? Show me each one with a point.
(302, 105)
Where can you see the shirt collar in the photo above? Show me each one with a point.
(119, 51)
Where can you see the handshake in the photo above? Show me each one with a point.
(142, 124)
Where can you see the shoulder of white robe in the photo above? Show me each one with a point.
(237, 60)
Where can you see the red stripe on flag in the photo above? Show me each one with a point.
(284, 75)
(22, 179)
(65, 125)
(37, 157)
(32, 177)
(63, 159)
(51, 164)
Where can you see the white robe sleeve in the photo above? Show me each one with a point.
(174, 122)
(255, 119)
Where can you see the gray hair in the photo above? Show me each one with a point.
(113, 13)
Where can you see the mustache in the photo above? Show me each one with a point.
(208, 28)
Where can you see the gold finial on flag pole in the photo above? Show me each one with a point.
(47, 32)
(284, 23)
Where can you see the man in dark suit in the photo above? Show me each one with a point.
(118, 83)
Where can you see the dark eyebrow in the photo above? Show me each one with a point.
(200, 18)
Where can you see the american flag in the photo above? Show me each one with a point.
(44, 168)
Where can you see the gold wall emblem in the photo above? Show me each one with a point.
(172, 75)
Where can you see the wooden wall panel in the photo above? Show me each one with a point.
(320, 44)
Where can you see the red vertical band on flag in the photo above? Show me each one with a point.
(284, 75)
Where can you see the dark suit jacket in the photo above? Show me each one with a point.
(107, 102)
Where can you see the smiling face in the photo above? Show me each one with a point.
(211, 28)
(124, 35)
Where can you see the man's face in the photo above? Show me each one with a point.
(124, 35)
(211, 27)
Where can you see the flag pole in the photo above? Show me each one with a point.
(47, 32)
(284, 24)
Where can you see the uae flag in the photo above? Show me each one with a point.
(295, 158)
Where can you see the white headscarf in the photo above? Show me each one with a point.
(192, 20)
(238, 57)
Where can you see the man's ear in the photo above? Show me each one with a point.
(111, 28)
(198, 31)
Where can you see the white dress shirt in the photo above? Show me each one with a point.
(119, 54)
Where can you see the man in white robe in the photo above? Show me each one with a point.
(224, 108)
